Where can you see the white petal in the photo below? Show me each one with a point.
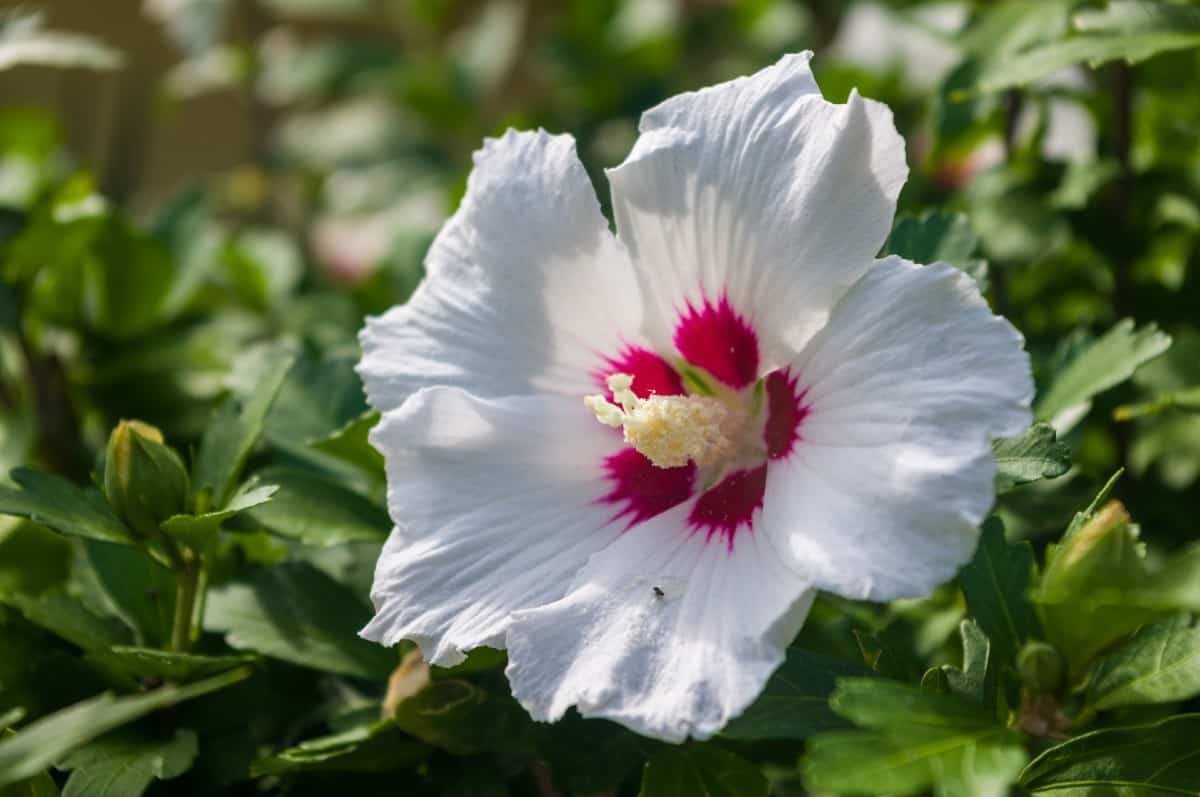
(495, 503)
(671, 666)
(524, 285)
(762, 189)
(907, 385)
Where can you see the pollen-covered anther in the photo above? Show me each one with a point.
(669, 430)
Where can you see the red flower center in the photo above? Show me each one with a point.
(720, 345)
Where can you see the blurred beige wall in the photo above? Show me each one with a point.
(116, 122)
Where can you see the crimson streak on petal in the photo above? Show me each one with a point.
(731, 504)
(785, 412)
(651, 373)
(641, 490)
(717, 339)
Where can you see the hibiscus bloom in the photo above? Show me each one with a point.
(790, 413)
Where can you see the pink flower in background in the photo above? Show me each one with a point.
(632, 459)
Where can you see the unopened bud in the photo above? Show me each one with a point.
(145, 481)
(1041, 667)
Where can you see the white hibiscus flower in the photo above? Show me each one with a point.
(797, 415)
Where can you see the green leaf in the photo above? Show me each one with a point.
(238, 422)
(320, 396)
(198, 531)
(462, 718)
(315, 510)
(1032, 456)
(55, 502)
(795, 702)
(1159, 665)
(297, 613)
(264, 266)
(1156, 760)
(1107, 362)
(976, 679)
(1131, 30)
(377, 746)
(140, 591)
(996, 584)
(1187, 400)
(40, 785)
(64, 614)
(32, 559)
(938, 236)
(46, 741)
(11, 717)
(143, 663)
(123, 764)
(700, 771)
(915, 740)
(349, 444)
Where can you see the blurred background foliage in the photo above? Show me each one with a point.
(201, 199)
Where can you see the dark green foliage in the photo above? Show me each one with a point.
(179, 612)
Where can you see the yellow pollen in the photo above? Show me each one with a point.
(668, 430)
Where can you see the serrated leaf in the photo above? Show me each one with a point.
(915, 740)
(199, 530)
(297, 613)
(1107, 362)
(1159, 665)
(700, 771)
(996, 585)
(238, 423)
(123, 764)
(1156, 760)
(315, 510)
(59, 504)
(46, 741)
(795, 702)
(1030, 457)
(938, 236)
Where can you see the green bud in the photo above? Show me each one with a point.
(1041, 667)
(1097, 557)
(145, 481)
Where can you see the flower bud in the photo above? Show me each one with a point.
(145, 481)
(1092, 563)
(1041, 667)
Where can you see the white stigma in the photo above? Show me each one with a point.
(669, 430)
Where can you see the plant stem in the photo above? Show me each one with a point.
(187, 580)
